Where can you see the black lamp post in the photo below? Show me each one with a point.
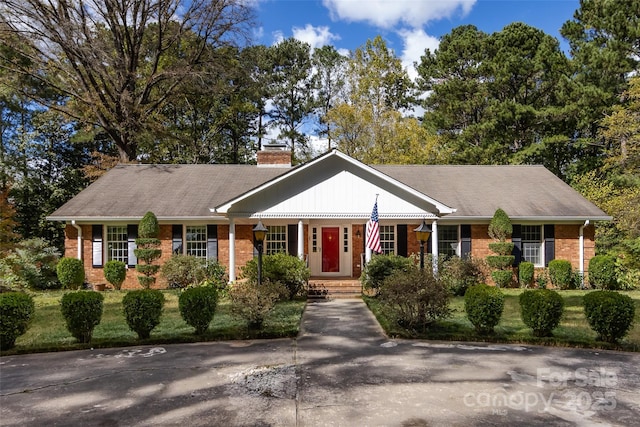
(422, 233)
(259, 233)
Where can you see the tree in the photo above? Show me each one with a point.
(148, 249)
(118, 62)
(291, 91)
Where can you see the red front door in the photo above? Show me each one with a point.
(330, 249)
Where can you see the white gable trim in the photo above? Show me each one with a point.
(441, 208)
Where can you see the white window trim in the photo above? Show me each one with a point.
(105, 242)
(542, 245)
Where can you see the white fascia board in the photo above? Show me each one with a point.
(100, 219)
(442, 208)
(537, 219)
(329, 215)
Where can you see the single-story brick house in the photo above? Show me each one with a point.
(318, 211)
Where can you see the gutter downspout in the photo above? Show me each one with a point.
(581, 245)
(77, 227)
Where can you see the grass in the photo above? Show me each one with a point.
(573, 331)
(48, 331)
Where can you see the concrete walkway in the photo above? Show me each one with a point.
(340, 371)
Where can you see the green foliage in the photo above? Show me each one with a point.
(542, 278)
(525, 274)
(82, 312)
(501, 248)
(561, 274)
(500, 227)
(182, 271)
(147, 249)
(484, 305)
(502, 278)
(252, 302)
(500, 262)
(609, 313)
(602, 272)
(115, 272)
(142, 310)
(70, 273)
(414, 298)
(31, 264)
(541, 310)
(197, 307)
(382, 266)
(148, 226)
(16, 310)
(459, 273)
(289, 270)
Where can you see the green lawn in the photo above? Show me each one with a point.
(48, 331)
(573, 331)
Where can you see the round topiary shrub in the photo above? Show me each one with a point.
(501, 248)
(82, 311)
(484, 305)
(197, 307)
(602, 272)
(500, 227)
(142, 310)
(16, 309)
(502, 278)
(561, 274)
(525, 274)
(609, 313)
(70, 273)
(382, 266)
(541, 310)
(115, 272)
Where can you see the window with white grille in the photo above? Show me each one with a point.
(117, 243)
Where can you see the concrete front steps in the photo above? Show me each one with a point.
(344, 287)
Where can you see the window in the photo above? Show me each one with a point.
(387, 239)
(276, 240)
(345, 239)
(196, 240)
(448, 240)
(314, 239)
(532, 244)
(117, 243)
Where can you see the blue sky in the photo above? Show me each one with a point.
(408, 26)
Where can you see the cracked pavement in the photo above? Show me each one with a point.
(340, 371)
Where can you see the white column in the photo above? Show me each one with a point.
(367, 251)
(434, 246)
(300, 240)
(232, 250)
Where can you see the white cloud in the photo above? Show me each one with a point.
(315, 36)
(388, 13)
(278, 36)
(415, 42)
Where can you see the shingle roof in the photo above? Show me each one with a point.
(183, 191)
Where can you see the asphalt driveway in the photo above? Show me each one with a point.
(340, 371)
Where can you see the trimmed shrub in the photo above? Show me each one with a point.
(252, 302)
(541, 310)
(82, 312)
(182, 271)
(414, 298)
(147, 249)
(484, 305)
(500, 227)
(115, 272)
(70, 273)
(197, 307)
(502, 278)
(289, 270)
(609, 313)
(501, 248)
(561, 274)
(16, 310)
(142, 310)
(602, 272)
(382, 266)
(459, 273)
(525, 274)
(500, 262)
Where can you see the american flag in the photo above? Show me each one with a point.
(373, 231)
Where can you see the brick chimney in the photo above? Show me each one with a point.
(274, 156)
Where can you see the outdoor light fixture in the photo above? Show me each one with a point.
(259, 234)
(358, 234)
(422, 233)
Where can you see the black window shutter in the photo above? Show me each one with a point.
(549, 244)
(465, 241)
(212, 241)
(516, 239)
(292, 239)
(176, 239)
(132, 234)
(402, 240)
(96, 246)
